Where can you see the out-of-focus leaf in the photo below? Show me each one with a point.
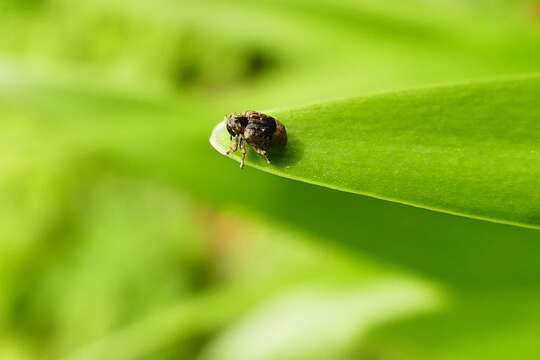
(470, 149)
(318, 323)
(291, 261)
(487, 326)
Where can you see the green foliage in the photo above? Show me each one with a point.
(125, 236)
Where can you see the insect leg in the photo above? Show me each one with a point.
(234, 145)
(263, 153)
(243, 150)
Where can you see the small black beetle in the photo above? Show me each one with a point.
(264, 133)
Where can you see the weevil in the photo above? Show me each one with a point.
(263, 132)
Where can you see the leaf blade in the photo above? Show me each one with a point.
(467, 149)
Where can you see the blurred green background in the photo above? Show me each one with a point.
(124, 235)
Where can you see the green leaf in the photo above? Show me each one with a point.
(319, 322)
(469, 149)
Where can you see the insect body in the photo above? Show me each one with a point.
(264, 133)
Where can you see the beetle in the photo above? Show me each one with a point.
(263, 132)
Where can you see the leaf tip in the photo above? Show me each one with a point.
(215, 138)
